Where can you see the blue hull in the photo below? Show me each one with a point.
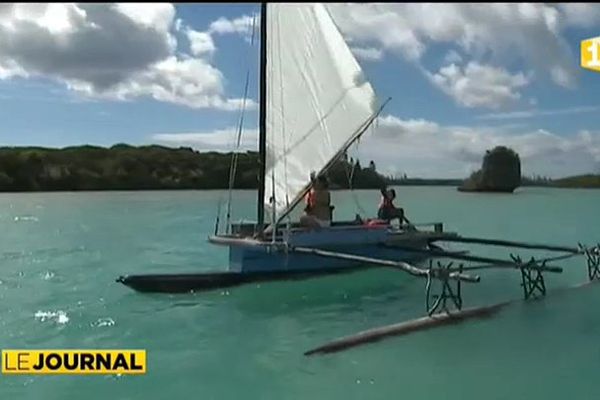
(253, 260)
(360, 241)
(262, 260)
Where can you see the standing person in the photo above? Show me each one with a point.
(387, 210)
(317, 213)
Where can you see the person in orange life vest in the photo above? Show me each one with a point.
(317, 213)
(387, 210)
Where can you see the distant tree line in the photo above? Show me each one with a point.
(125, 167)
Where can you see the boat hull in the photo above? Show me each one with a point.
(249, 255)
(250, 260)
(253, 260)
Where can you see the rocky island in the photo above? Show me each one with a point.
(500, 172)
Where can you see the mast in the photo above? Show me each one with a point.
(262, 118)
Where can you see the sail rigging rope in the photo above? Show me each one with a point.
(283, 130)
(355, 136)
(235, 155)
(350, 177)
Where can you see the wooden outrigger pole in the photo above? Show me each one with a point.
(415, 271)
(406, 327)
(532, 282)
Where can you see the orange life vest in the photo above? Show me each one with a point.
(376, 222)
(310, 199)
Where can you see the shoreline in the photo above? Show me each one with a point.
(123, 167)
(254, 190)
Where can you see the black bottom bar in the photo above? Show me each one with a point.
(184, 283)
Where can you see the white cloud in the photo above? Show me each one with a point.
(478, 85)
(98, 44)
(539, 113)
(377, 23)
(584, 15)
(200, 42)
(424, 148)
(110, 51)
(241, 25)
(410, 127)
(506, 31)
(157, 16)
(55, 18)
(11, 69)
(190, 82)
(219, 140)
(367, 53)
(452, 57)
(178, 24)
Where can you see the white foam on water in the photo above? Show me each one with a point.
(26, 218)
(48, 275)
(59, 316)
(62, 318)
(104, 322)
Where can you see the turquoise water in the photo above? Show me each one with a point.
(60, 254)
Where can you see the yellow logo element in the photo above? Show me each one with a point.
(590, 54)
(74, 362)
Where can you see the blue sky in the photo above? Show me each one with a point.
(463, 78)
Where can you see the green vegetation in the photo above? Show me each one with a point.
(424, 182)
(588, 181)
(581, 181)
(125, 167)
(500, 172)
(348, 173)
(119, 167)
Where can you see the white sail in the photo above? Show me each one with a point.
(317, 97)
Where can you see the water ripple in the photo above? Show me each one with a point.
(43, 252)
(101, 322)
(30, 218)
(48, 275)
(60, 317)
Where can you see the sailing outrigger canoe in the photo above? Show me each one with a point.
(314, 104)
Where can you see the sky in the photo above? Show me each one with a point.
(463, 78)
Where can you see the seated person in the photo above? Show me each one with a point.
(317, 213)
(387, 210)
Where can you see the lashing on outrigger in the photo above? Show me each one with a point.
(446, 306)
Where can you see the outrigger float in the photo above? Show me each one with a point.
(445, 306)
(314, 104)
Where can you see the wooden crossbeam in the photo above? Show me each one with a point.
(488, 262)
(415, 271)
(508, 243)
